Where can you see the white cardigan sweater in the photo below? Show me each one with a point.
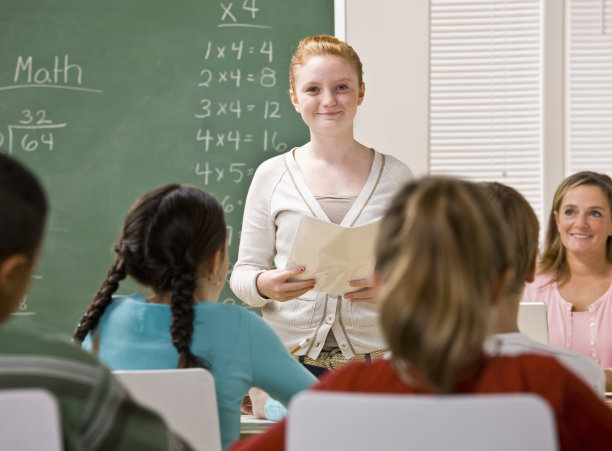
(277, 198)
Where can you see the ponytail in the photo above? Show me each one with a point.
(441, 252)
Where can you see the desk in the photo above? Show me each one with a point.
(250, 425)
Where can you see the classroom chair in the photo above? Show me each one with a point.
(184, 398)
(30, 420)
(361, 422)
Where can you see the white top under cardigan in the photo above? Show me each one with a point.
(277, 198)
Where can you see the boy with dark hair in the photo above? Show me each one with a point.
(96, 412)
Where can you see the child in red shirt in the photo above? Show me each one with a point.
(442, 262)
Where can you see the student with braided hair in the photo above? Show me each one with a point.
(174, 242)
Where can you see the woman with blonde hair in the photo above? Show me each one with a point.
(443, 261)
(575, 271)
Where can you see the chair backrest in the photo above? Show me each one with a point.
(328, 421)
(185, 399)
(29, 419)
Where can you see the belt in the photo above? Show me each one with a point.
(335, 359)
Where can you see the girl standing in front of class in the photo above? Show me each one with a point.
(174, 242)
(334, 178)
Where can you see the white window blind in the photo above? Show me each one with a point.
(588, 106)
(485, 92)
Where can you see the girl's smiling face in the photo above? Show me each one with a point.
(584, 220)
(327, 93)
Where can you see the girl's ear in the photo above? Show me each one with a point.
(361, 94)
(530, 277)
(294, 100)
(213, 264)
(500, 286)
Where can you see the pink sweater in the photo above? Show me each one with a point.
(599, 336)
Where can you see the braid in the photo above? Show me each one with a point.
(168, 233)
(102, 299)
(183, 315)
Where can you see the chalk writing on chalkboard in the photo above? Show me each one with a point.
(60, 75)
(105, 101)
(228, 18)
(33, 130)
(22, 309)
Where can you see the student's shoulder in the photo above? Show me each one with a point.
(529, 345)
(134, 298)
(227, 312)
(271, 166)
(374, 376)
(268, 175)
(23, 345)
(392, 161)
(535, 369)
(396, 169)
(553, 380)
(575, 359)
(127, 304)
(231, 318)
(127, 301)
(529, 360)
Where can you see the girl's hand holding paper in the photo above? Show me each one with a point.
(341, 258)
(367, 291)
(274, 284)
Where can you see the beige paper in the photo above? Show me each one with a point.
(332, 254)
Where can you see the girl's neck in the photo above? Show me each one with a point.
(159, 299)
(333, 151)
(504, 315)
(202, 293)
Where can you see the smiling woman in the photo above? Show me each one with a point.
(333, 178)
(584, 222)
(575, 271)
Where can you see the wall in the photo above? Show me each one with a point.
(391, 38)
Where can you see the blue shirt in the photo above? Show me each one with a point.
(242, 350)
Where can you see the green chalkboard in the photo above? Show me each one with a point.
(106, 100)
